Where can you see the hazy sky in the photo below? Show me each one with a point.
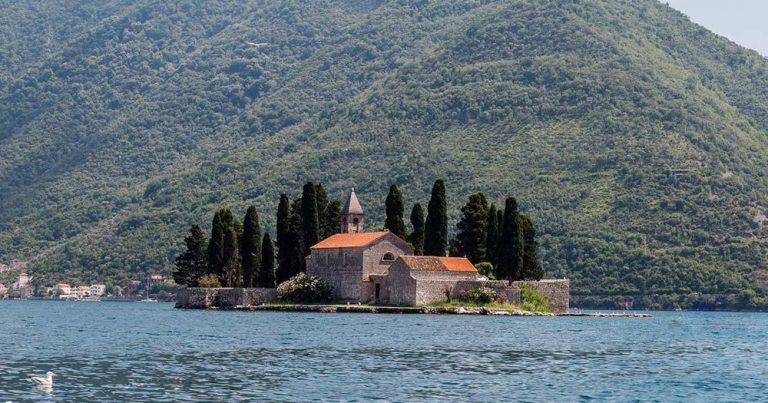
(742, 21)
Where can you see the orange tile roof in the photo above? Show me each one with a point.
(436, 263)
(349, 240)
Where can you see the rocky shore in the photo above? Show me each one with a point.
(418, 310)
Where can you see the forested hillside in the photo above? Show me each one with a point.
(636, 140)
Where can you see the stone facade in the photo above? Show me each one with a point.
(502, 288)
(348, 269)
(204, 298)
(557, 291)
(402, 285)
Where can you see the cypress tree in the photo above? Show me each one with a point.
(250, 247)
(333, 218)
(231, 259)
(532, 270)
(492, 239)
(473, 229)
(322, 210)
(416, 238)
(267, 269)
(511, 245)
(283, 238)
(394, 209)
(436, 226)
(310, 220)
(216, 246)
(193, 263)
(296, 263)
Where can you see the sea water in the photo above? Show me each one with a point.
(114, 351)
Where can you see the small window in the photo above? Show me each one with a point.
(355, 221)
(388, 257)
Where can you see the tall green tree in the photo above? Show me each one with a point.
(232, 271)
(310, 219)
(297, 263)
(511, 245)
(416, 237)
(284, 244)
(532, 269)
(436, 226)
(250, 247)
(322, 210)
(333, 218)
(193, 263)
(216, 246)
(473, 229)
(267, 269)
(395, 209)
(492, 239)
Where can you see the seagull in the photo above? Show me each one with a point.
(43, 381)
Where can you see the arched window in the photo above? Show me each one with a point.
(388, 257)
(355, 221)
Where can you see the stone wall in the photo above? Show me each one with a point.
(557, 291)
(204, 298)
(502, 288)
(342, 268)
(348, 269)
(397, 287)
(373, 256)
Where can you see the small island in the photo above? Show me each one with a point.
(352, 270)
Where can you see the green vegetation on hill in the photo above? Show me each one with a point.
(636, 139)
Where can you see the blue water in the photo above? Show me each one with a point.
(151, 352)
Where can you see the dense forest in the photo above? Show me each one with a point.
(635, 139)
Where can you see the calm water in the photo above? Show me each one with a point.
(135, 351)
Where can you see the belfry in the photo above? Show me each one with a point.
(352, 215)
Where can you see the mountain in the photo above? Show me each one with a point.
(635, 139)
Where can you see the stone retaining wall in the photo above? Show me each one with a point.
(203, 298)
(502, 288)
(557, 291)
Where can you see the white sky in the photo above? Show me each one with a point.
(742, 21)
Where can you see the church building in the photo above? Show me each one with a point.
(357, 265)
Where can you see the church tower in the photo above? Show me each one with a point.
(352, 215)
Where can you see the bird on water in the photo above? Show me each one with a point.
(47, 380)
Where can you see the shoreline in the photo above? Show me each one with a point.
(424, 310)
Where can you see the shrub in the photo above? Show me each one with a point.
(534, 301)
(479, 295)
(304, 289)
(208, 281)
(485, 269)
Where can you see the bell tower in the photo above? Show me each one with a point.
(352, 215)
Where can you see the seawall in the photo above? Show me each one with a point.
(205, 298)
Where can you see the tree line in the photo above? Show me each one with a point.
(238, 255)
(502, 239)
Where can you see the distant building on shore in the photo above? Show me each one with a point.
(3, 289)
(62, 289)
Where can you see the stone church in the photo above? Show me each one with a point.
(379, 267)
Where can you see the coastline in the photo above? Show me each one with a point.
(424, 310)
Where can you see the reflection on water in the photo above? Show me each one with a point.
(124, 351)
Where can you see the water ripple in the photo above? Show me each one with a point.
(132, 352)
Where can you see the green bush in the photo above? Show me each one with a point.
(304, 289)
(208, 281)
(534, 301)
(479, 295)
